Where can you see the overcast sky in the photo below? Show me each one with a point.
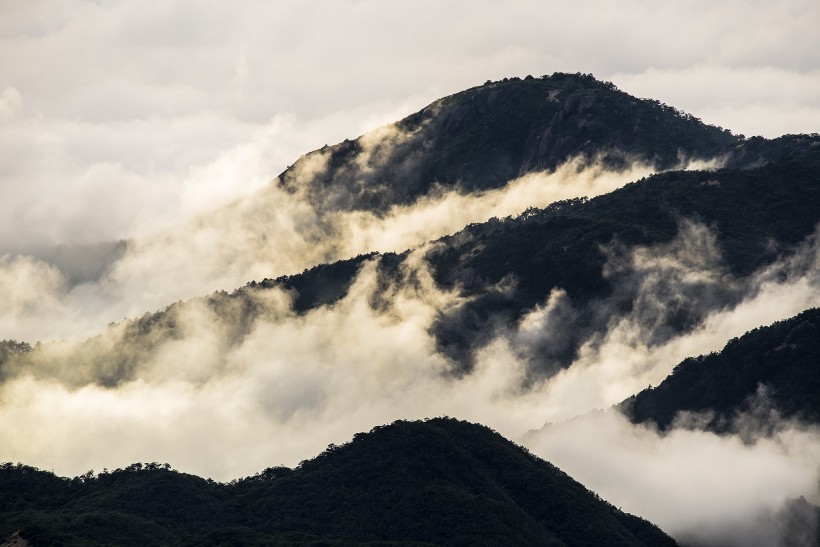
(119, 117)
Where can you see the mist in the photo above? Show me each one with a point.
(270, 233)
(699, 487)
(137, 148)
(230, 384)
(213, 339)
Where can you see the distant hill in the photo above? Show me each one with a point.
(783, 359)
(488, 135)
(436, 482)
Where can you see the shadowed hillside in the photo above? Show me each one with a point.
(750, 218)
(437, 482)
(770, 369)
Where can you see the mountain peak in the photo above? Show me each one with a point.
(486, 136)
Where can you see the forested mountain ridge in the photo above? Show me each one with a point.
(731, 222)
(772, 369)
(484, 137)
(750, 218)
(436, 482)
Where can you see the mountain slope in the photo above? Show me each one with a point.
(773, 368)
(750, 217)
(438, 482)
(755, 216)
(486, 136)
(601, 254)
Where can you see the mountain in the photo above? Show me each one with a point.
(727, 224)
(483, 137)
(773, 369)
(584, 247)
(436, 482)
(758, 211)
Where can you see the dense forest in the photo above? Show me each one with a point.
(770, 369)
(436, 482)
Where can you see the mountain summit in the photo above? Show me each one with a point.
(486, 136)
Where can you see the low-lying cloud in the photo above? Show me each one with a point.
(207, 339)
(700, 487)
(269, 233)
(227, 385)
(162, 126)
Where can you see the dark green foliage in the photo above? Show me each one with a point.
(438, 482)
(757, 151)
(486, 136)
(758, 215)
(9, 348)
(760, 208)
(318, 286)
(783, 357)
(139, 505)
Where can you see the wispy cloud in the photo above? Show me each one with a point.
(271, 232)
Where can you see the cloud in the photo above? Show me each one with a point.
(702, 488)
(29, 290)
(324, 371)
(249, 359)
(632, 350)
(242, 72)
(11, 102)
(162, 93)
(274, 232)
(753, 100)
(164, 125)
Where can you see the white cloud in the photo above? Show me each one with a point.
(701, 488)
(336, 370)
(268, 233)
(11, 102)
